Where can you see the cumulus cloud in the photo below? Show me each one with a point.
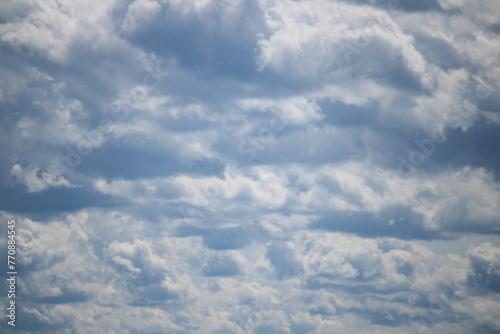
(235, 166)
(35, 182)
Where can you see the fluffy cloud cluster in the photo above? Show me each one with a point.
(82, 270)
(237, 166)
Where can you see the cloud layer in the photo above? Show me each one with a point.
(234, 166)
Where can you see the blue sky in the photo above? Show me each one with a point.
(269, 167)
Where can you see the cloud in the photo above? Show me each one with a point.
(484, 260)
(221, 265)
(36, 183)
(406, 5)
(234, 166)
(318, 278)
(282, 259)
(139, 13)
(52, 29)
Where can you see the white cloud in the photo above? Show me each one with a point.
(368, 188)
(37, 181)
(349, 188)
(248, 180)
(52, 28)
(140, 12)
(392, 277)
(296, 111)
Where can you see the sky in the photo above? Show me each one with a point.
(251, 166)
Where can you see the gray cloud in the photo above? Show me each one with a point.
(484, 260)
